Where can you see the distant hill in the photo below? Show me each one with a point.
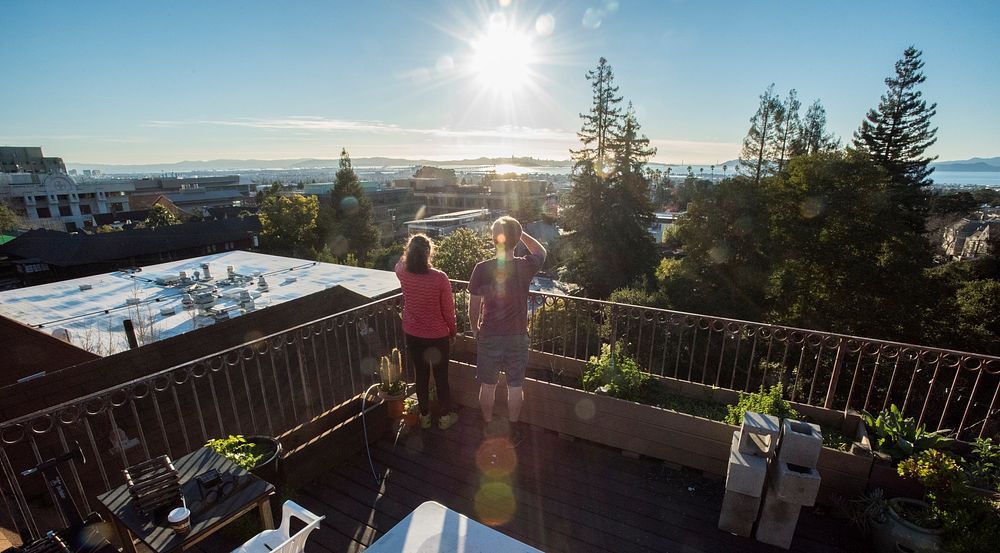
(305, 163)
(976, 164)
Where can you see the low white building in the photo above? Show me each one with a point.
(661, 222)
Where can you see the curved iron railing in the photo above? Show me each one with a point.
(266, 386)
(942, 389)
(274, 383)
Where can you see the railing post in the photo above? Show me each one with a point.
(614, 334)
(838, 362)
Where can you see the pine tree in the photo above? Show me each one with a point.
(787, 128)
(757, 154)
(897, 133)
(353, 218)
(599, 124)
(629, 212)
(813, 137)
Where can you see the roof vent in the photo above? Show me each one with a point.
(231, 271)
(290, 280)
(187, 301)
(208, 274)
(86, 287)
(262, 284)
(168, 311)
(132, 300)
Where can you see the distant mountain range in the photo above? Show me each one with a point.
(976, 164)
(307, 163)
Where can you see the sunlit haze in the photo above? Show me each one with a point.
(127, 82)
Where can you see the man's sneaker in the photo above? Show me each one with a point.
(447, 421)
(425, 421)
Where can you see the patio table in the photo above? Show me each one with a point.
(434, 528)
(251, 493)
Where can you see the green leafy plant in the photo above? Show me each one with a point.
(769, 402)
(983, 467)
(900, 437)
(391, 371)
(410, 405)
(971, 522)
(619, 375)
(238, 450)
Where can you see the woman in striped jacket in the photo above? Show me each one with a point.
(429, 325)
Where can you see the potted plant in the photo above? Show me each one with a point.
(257, 454)
(392, 389)
(894, 438)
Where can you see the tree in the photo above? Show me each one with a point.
(630, 250)
(787, 127)
(600, 123)
(459, 252)
(757, 154)
(288, 223)
(353, 220)
(813, 137)
(8, 219)
(897, 133)
(160, 216)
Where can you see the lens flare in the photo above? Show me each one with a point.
(503, 56)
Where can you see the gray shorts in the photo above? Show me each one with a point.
(506, 353)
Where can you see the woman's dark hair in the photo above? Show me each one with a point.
(418, 254)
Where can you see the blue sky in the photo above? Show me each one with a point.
(150, 82)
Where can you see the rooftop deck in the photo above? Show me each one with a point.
(554, 494)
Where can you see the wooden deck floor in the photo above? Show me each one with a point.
(554, 494)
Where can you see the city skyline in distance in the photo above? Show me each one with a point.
(160, 83)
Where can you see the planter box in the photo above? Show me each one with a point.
(678, 438)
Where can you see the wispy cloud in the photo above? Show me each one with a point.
(321, 124)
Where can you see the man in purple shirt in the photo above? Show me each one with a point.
(498, 311)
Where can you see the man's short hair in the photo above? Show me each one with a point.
(507, 231)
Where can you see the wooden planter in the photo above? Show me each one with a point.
(678, 438)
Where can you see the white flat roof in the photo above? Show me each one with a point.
(91, 309)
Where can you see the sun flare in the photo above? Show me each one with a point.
(502, 57)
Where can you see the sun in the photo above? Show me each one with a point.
(502, 57)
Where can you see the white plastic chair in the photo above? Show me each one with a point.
(278, 541)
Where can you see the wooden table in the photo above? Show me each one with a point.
(251, 493)
(434, 528)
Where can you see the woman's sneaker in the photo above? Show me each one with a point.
(447, 421)
(425, 421)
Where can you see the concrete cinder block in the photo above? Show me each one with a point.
(801, 443)
(739, 512)
(794, 483)
(746, 473)
(778, 520)
(759, 434)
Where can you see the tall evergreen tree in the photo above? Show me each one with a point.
(629, 212)
(813, 138)
(600, 122)
(757, 154)
(354, 229)
(897, 133)
(787, 128)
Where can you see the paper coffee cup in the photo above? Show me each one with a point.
(180, 520)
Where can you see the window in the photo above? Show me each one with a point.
(44, 213)
(84, 209)
(116, 207)
(65, 211)
(71, 227)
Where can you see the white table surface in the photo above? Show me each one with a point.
(434, 528)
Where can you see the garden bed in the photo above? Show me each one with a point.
(678, 438)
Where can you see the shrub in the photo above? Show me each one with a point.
(620, 376)
(900, 437)
(983, 469)
(770, 402)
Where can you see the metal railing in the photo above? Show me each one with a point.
(277, 382)
(265, 386)
(942, 389)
